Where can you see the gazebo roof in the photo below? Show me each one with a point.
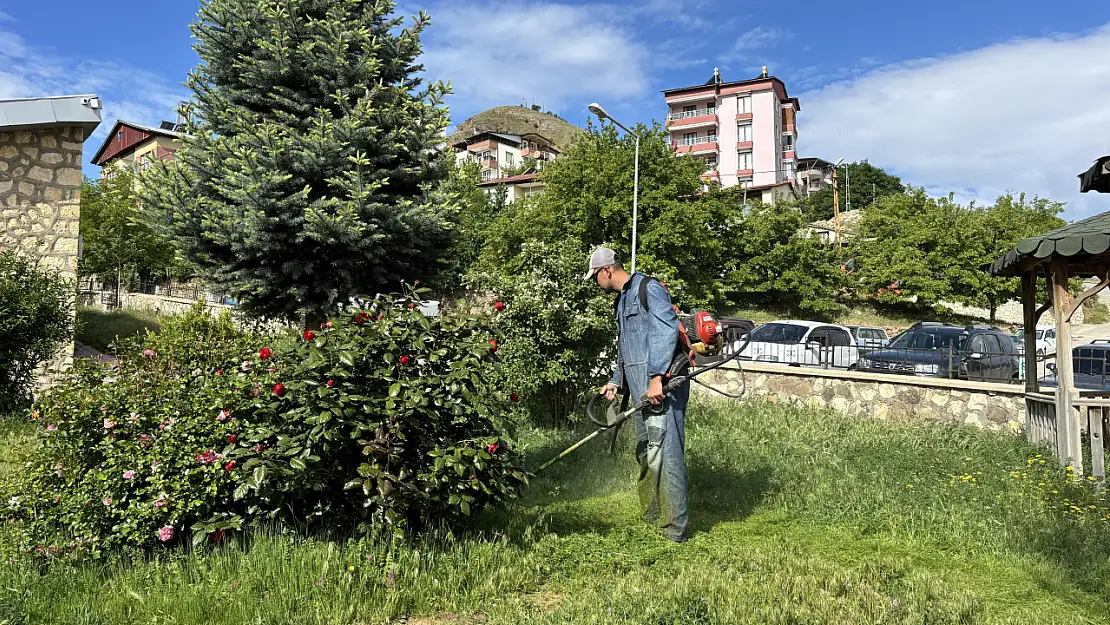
(1078, 241)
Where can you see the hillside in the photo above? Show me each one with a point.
(518, 120)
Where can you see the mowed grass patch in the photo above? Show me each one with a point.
(100, 329)
(798, 516)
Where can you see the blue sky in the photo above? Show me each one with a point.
(969, 98)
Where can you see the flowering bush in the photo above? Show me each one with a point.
(36, 317)
(207, 429)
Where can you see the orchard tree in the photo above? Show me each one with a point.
(308, 166)
(116, 238)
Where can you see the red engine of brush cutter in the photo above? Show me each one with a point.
(700, 335)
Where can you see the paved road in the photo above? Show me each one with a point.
(81, 350)
(1083, 334)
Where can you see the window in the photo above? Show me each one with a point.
(744, 132)
(744, 160)
(778, 333)
(838, 337)
(711, 108)
(711, 161)
(509, 159)
(788, 170)
(119, 135)
(745, 183)
(976, 345)
(711, 138)
(689, 109)
(788, 143)
(744, 104)
(487, 174)
(689, 138)
(991, 345)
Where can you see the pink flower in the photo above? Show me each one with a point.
(109, 424)
(230, 466)
(331, 383)
(127, 475)
(51, 427)
(326, 325)
(259, 448)
(134, 417)
(107, 501)
(149, 353)
(492, 448)
(246, 365)
(146, 439)
(222, 416)
(165, 534)
(208, 457)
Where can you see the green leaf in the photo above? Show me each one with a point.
(297, 463)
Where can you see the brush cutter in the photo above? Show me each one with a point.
(701, 338)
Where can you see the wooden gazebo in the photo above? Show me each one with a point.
(1077, 250)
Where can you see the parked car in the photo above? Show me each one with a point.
(802, 343)
(869, 337)
(1090, 365)
(1046, 340)
(940, 350)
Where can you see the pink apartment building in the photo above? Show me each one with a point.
(745, 131)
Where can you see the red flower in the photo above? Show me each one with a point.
(492, 448)
(259, 448)
(331, 383)
(412, 305)
(309, 335)
(230, 466)
(231, 438)
(265, 353)
(219, 371)
(514, 397)
(217, 536)
(499, 306)
(404, 361)
(326, 324)
(208, 457)
(362, 318)
(279, 389)
(492, 345)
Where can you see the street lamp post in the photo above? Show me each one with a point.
(596, 109)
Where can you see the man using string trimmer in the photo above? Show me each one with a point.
(647, 331)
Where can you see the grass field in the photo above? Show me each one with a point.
(99, 329)
(798, 517)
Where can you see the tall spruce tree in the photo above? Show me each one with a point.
(308, 164)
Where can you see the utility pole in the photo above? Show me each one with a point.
(836, 201)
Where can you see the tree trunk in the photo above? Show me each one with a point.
(994, 309)
(119, 279)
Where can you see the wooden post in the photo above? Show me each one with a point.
(1029, 316)
(1067, 422)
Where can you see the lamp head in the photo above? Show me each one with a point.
(596, 109)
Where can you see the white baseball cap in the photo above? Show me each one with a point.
(602, 257)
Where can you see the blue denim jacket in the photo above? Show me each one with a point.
(647, 338)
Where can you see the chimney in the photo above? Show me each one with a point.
(764, 72)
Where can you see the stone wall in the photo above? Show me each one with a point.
(40, 203)
(40, 195)
(999, 407)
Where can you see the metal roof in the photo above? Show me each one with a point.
(119, 122)
(1088, 237)
(82, 111)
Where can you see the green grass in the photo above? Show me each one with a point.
(100, 329)
(798, 517)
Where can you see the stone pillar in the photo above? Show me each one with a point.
(40, 202)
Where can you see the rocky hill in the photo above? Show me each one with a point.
(518, 120)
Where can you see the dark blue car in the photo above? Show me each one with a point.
(939, 350)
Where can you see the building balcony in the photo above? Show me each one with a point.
(788, 155)
(745, 173)
(742, 116)
(692, 119)
(789, 127)
(698, 146)
(744, 145)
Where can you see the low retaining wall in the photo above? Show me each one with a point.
(999, 407)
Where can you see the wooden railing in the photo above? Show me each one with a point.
(1093, 413)
(1040, 419)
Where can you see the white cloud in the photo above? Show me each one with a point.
(1026, 115)
(496, 54)
(127, 92)
(4, 17)
(759, 38)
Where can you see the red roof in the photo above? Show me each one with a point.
(124, 136)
